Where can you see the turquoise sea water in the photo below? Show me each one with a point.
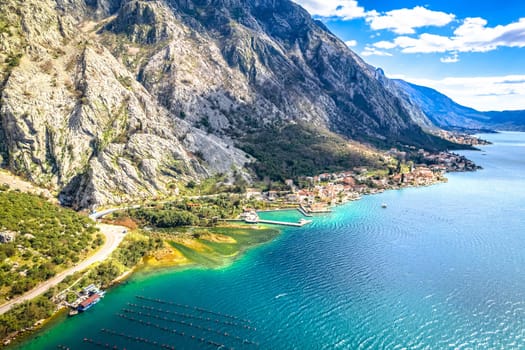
(441, 267)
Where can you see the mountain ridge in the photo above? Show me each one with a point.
(446, 113)
(114, 100)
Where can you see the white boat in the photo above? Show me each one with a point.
(251, 217)
(383, 205)
(251, 220)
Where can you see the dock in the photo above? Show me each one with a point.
(251, 217)
(301, 223)
(303, 211)
(309, 211)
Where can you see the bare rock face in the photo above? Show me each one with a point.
(414, 109)
(75, 120)
(107, 101)
(444, 112)
(232, 67)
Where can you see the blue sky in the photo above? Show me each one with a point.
(473, 51)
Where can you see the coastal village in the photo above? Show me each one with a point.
(318, 193)
(461, 138)
(308, 194)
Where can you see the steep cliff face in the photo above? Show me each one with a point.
(412, 107)
(111, 100)
(74, 119)
(237, 66)
(443, 112)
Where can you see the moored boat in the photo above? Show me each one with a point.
(89, 302)
(88, 297)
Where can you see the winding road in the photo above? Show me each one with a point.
(114, 235)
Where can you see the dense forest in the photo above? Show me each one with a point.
(204, 211)
(301, 150)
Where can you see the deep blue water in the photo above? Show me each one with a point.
(441, 267)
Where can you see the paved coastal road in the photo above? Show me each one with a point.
(114, 235)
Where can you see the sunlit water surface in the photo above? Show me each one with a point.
(441, 267)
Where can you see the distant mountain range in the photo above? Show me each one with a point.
(449, 115)
(507, 120)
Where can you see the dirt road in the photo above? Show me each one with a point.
(114, 235)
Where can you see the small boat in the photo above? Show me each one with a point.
(73, 312)
(89, 302)
(251, 220)
(251, 217)
(383, 205)
(304, 221)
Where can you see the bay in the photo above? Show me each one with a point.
(441, 267)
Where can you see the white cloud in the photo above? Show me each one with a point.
(481, 93)
(351, 43)
(385, 45)
(403, 21)
(345, 9)
(450, 59)
(472, 35)
(400, 21)
(372, 51)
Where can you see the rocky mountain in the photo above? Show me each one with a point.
(111, 100)
(447, 114)
(73, 118)
(412, 105)
(441, 109)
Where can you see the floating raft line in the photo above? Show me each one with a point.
(174, 331)
(101, 344)
(160, 301)
(189, 324)
(137, 339)
(195, 317)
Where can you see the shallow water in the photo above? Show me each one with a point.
(441, 267)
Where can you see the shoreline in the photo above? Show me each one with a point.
(147, 266)
(343, 226)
